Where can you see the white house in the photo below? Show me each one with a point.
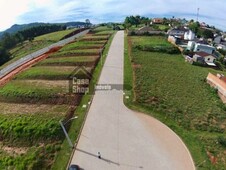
(204, 58)
(205, 48)
(191, 45)
(189, 35)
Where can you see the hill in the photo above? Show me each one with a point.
(16, 27)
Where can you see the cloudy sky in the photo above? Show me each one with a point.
(26, 11)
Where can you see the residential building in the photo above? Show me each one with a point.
(217, 39)
(204, 58)
(191, 45)
(177, 32)
(157, 21)
(205, 48)
(189, 35)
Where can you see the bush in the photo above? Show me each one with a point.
(222, 141)
(219, 65)
(162, 49)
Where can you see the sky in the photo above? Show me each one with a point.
(55, 11)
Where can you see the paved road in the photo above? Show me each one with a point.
(126, 140)
(36, 54)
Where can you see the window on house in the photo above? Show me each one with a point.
(208, 59)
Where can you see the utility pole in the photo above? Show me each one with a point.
(65, 132)
(197, 15)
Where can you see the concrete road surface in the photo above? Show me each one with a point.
(125, 139)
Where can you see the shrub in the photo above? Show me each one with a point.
(222, 140)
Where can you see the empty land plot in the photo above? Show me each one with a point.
(54, 36)
(177, 93)
(71, 61)
(95, 38)
(47, 73)
(83, 52)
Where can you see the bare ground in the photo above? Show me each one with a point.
(26, 108)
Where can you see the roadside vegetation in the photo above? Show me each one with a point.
(176, 93)
(33, 103)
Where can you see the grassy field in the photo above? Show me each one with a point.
(68, 61)
(30, 134)
(54, 36)
(176, 93)
(47, 72)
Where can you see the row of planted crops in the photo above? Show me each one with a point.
(32, 104)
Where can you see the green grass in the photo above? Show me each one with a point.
(38, 135)
(47, 73)
(54, 36)
(67, 60)
(63, 156)
(23, 89)
(150, 41)
(84, 52)
(177, 94)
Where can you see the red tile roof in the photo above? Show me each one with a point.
(203, 54)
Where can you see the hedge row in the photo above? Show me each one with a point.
(162, 49)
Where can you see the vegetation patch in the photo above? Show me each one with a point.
(177, 93)
(47, 73)
(71, 61)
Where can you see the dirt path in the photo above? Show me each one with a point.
(125, 139)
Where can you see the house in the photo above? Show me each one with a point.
(189, 35)
(204, 58)
(218, 82)
(217, 39)
(205, 48)
(157, 21)
(191, 45)
(177, 32)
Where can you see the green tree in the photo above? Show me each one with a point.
(4, 55)
(194, 26)
(205, 33)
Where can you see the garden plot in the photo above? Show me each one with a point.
(47, 73)
(74, 53)
(24, 108)
(87, 61)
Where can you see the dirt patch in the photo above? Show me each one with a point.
(26, 108)
(63, 84)
(136, 66)
(15, 150)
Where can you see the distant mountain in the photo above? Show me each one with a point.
(15, 28)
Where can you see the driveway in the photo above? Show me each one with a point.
(126, 139)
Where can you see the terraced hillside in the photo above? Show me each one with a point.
(33, 103)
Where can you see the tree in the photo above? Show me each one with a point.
(4, 55)
(205, 33)
(194, 26)
(88, 23)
